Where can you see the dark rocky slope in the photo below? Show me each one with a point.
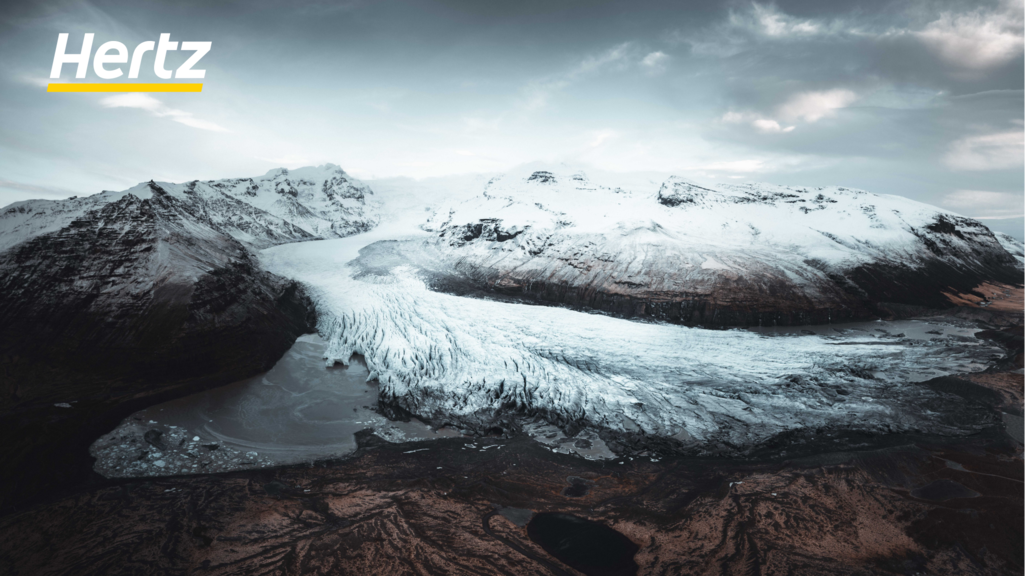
(130, 304)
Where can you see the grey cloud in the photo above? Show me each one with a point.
(870, 93)
(40, 190)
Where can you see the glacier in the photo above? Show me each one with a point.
(469, 361)
(488, 362)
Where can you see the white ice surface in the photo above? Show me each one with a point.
(448, 356)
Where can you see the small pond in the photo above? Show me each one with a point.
(590, 547)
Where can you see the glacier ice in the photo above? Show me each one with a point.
(467, 361)
(471, 360)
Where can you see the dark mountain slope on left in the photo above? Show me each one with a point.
(143, 298)
(136, 290)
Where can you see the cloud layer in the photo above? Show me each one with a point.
(159, 109)
(917, 98)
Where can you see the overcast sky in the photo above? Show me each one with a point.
(922, 99)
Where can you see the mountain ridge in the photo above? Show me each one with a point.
(747, 254)
(280, 206)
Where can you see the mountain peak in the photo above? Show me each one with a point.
(312, 172)
(281, 206)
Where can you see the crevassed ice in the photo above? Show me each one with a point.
(445, 356)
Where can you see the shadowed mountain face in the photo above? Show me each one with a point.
(121, 300)
(131, 303)
(136, 290)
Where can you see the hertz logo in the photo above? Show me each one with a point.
(111, 55)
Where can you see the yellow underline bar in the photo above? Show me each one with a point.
(124, 87)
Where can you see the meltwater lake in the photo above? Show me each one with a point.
(299, 411)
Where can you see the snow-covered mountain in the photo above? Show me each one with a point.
(159, 283)
(280, 206)
(742, 254)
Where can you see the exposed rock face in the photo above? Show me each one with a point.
(676, 192)
(136, 290)
(736, 255)
(119, 300)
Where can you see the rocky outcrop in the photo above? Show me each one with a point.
(430, 508)
(732, 290)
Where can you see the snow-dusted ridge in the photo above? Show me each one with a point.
(723, 254)
(1012, 245)
(280, 206)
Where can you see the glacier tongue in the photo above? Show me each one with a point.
(466, 361)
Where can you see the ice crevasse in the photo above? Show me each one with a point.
(465, 360)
